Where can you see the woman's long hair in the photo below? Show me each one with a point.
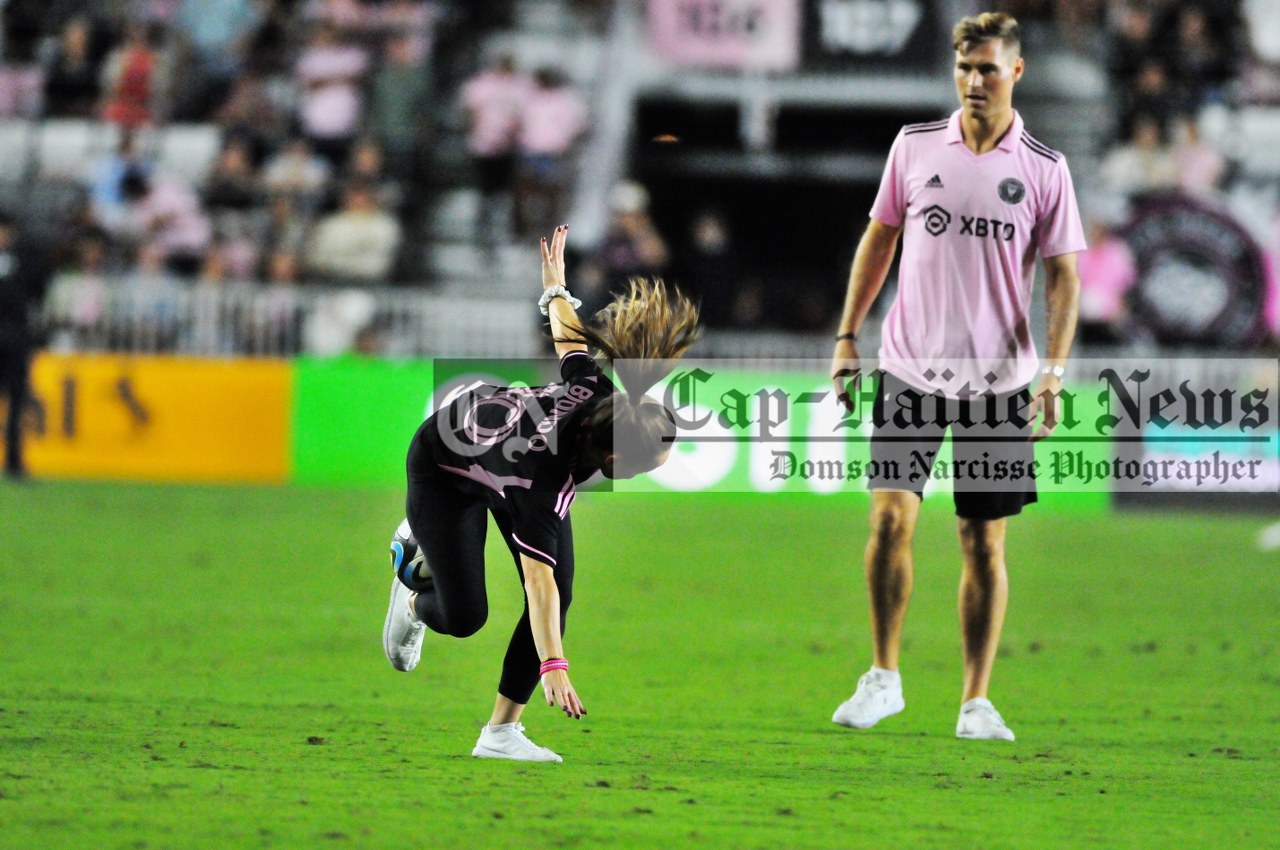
(642, 334)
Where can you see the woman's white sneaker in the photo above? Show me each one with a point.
(402, 632)
(980, 720)
(508, 741)
(879, 695)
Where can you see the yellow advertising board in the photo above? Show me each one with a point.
(159, 418)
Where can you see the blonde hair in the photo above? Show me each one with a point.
(642, 333)
(988, 26)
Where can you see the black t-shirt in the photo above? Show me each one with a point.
(519, 445)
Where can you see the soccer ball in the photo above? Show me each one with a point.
(407, 560)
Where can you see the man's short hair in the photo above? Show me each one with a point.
(988, 26)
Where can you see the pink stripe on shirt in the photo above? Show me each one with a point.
(543, 555)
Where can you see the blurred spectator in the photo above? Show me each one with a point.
(153, 297)
(365, 165)
(250, 113)
(1142, 164)
(268, 48)
(241, 251)
(552, 118)
(329, 73)
(135, 78)
(298, 172)
(1107, 272)
(106, 181)
(78, 296)
(214, 307)
(359, 244)
(168, 213)
(1200, 167)
(632, 246)
(1131, 43)
(1200, 61)
(399, 105)
(1151, 95)
(283, 228)
(705, 269)
(220, 32)
(346, 15)
(492, 99)
(22, 23)
(24, 277)
(413, 21)
(233, 184)
(275, 315)
(72, 87)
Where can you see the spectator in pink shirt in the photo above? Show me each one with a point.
(1200, 167)
(167, 212)
(552, 118)
(492, 99)
(328, 75)
(1107, 272)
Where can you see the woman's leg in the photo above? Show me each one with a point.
(450, 528)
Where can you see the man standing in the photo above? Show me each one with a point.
(975, 197)
(23, 279)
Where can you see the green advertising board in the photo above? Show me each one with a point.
(746, 431)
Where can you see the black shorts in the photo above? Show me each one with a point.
(991, 470)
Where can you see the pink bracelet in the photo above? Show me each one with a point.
(552, 664)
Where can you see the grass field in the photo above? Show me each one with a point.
(195, 667)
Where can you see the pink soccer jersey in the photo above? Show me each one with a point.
(972, 226)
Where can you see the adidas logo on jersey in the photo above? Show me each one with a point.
(935, 182)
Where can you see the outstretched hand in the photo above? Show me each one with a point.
(553, 258)
(559, 692)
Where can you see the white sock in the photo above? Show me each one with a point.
(891, 676)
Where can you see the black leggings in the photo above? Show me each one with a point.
(450, 527)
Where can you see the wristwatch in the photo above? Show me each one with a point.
(1056, 371)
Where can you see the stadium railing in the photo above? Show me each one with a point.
(132, 315)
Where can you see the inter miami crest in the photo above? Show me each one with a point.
(1012, 191)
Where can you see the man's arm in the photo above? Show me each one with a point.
(866, 278)
(1062, 297)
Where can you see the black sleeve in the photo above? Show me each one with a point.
(580, 367)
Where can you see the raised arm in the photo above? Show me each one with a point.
(544, 622)
(560, 311)
(866, 278)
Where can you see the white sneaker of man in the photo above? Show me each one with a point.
(508, 741)
(402, 632)
(878, 696)
(980, 720)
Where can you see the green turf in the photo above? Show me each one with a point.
(201, 668)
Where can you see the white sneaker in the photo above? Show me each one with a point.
(878, 696)
(979, 719)
(402, 632)
(508, 741)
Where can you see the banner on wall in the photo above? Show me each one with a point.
(159, 418)
(762, 35)
(851, 35)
